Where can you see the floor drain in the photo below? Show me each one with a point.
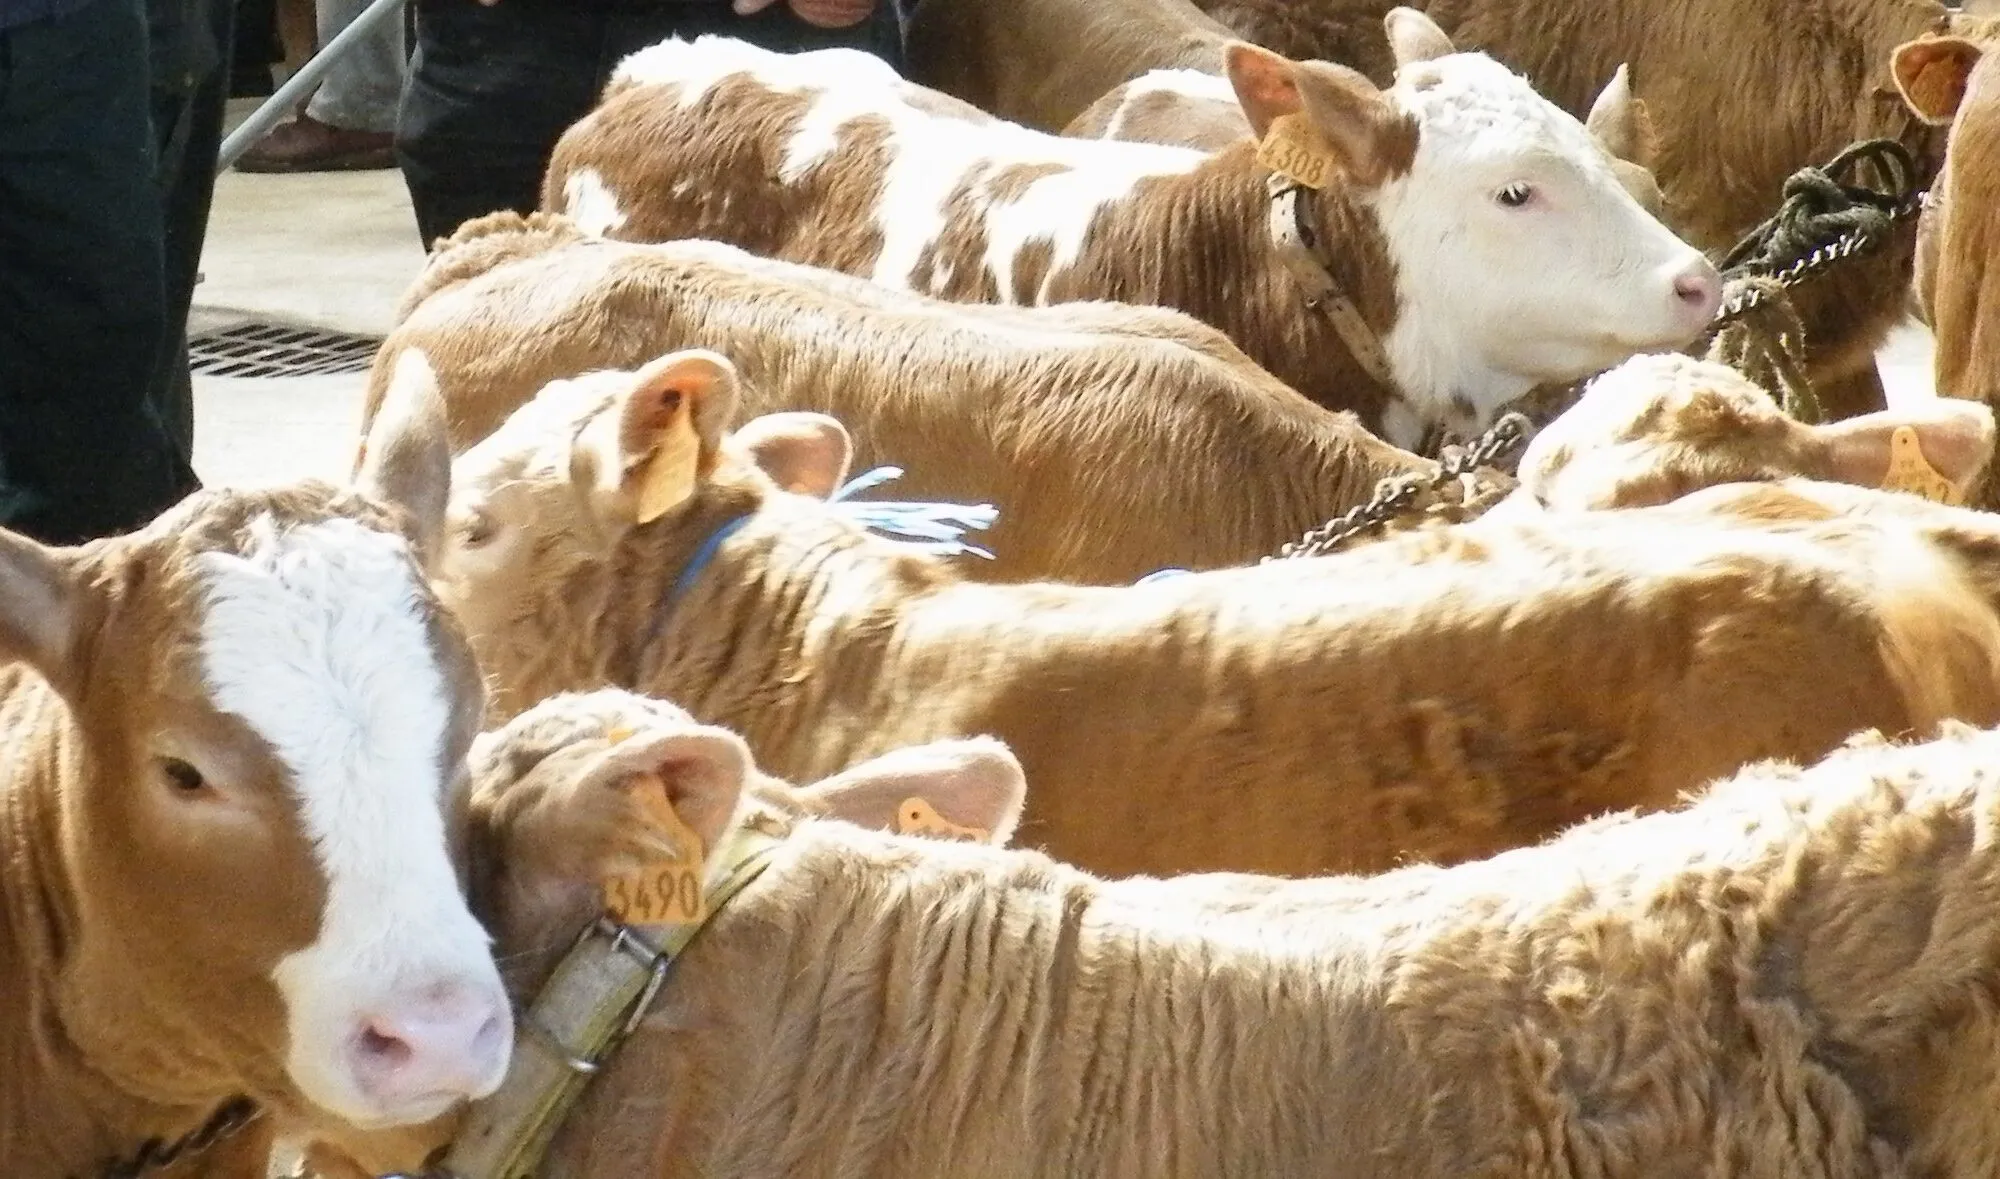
(279, 350)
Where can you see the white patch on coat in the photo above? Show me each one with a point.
(1210, 92)
(591, 204)
(316, 639)
(931, 156)
(1495, 300)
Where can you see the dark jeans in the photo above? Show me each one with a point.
(190, 93)
(83, 300)
(491, 89)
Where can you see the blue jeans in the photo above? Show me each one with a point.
(84, 308)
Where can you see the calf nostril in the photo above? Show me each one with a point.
(489, 1036)
(384, 1050)
(1694, 288)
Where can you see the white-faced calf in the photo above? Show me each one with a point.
(232, 741)
(1450, 243)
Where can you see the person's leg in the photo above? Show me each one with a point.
(82, 303)
(362, 91)
(188, 129)
(350, 121)
(490, 92)
(256, 49)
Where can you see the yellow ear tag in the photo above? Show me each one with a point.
(667, 479)
(1908, 471)
(917, 817)
(668, 892)
(1294, 150)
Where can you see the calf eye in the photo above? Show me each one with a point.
(1514, 195)
(182, 776)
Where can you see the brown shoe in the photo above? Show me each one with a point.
(307, 145)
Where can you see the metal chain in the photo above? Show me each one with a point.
(157, 1155)
(1835, 191)
(1397, 495)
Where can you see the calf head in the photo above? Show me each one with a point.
(1950, 80)
(600, 479)
(248, 834)
(1659, 427)
(1520, 256)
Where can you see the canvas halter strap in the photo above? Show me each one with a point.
(594, 1000)
(1291, 237)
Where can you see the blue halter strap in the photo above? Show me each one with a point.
(933, 527)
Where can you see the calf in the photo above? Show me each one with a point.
(1466, 240)
(548, 789)
(1440, 695)
(231, 744)
(1743, 95)
(1116, 440)
(1658, 427)
(1786, 976)
(1041, 62)
(1950, 80)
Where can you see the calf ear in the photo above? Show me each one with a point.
(37, 605)
(1414, 37)
(1265, 84)
(703, 768)
(1931, 75)
(1620, 123)
(669, 424)
(803, 452)
(1956, 437)
(1348, 119)
(406, 457)
(973, 788)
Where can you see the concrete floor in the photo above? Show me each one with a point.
(336, 251)
(329, 250)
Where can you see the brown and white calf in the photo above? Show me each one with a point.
(1786, 976)
(1115, 440)
(1659, 427)
(1434, 695)
(232, 741)
(1480, 237)
(1743, 95)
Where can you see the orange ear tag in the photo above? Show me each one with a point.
(917, 817)
(669, 891)
(1294, 150)
(667, 479)
(1909, 471)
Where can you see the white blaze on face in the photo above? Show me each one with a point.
(1520, 257)
(317, 639)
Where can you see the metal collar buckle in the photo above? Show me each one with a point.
(624, 939)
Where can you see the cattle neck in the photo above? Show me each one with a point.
(585, 1008)
(855, 956)
(1202, 242)
(62, 1115)
(794, 605)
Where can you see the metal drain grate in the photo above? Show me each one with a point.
(277, 350)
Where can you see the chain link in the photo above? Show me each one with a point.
(1397, 495)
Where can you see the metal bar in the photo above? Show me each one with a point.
(272, 111)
